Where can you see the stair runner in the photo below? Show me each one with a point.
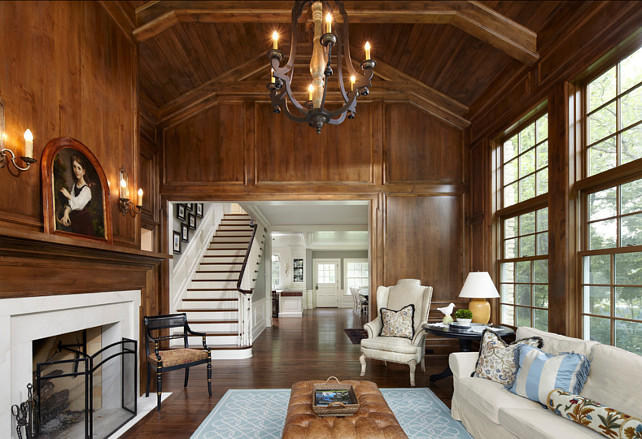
(211, 300)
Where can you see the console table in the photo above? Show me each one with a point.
(465, 339)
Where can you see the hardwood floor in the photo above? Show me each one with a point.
(293, 349)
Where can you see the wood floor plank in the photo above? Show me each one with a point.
(293, 349)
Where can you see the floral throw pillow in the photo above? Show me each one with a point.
(607, 421)
(496, 360)
(398, 323)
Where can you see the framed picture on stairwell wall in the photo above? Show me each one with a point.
(199, 210)
(192, 221)
(184, 232)
(176, 242)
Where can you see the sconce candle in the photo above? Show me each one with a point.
(124, 190)
(140, 197)
(367, 50)
(275, 40)
(352, 80)
(310, 92)
(28, 143)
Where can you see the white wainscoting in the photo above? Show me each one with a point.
(260, 316)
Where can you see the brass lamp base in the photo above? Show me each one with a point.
(480, 309)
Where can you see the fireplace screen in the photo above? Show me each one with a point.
(87, 396)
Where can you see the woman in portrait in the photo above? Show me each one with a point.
(76, 214)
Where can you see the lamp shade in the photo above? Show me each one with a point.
(479, 285)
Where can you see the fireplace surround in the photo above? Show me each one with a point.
(23, 320)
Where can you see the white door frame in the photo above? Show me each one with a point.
(337, 262)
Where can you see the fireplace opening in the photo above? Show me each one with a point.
(84, 386)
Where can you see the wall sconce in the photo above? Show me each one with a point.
(5, 151)
(125, 205)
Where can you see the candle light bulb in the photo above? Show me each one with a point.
(328, 23)
(367, 50)
(275, 40)
(28, 143)
(352, 80)
(123, 188)
(140, 197)
(310, 91)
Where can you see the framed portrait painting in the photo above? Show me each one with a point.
(75, 191)
(192, 220)
(176, 242)
(184, 232)
(199, 210)
(180, 212)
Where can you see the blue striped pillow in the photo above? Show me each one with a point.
(539, 373)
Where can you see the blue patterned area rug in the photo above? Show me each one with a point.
(260, 413)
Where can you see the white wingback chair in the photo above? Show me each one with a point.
(399, 349)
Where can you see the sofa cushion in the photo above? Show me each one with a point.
(489, 397)
(539, 373)
(588, 413)
(555, 343)
(536, 423)
(615, 379)
(398, 323)
(496, 360)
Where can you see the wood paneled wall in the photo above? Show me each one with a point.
(68, 69)
(596, 29)
(407, 162)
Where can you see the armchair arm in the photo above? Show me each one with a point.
(419, 337)
(373, 328)
(462, 364)
(201, 334)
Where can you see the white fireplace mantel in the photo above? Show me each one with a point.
(23, 320)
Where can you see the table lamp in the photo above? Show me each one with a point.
(478, 287)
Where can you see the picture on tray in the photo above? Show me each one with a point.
(192, 220)
(325, 397)
(176, 242)
(75, 191)
(184, 232)
(199, 210)
(180, 212)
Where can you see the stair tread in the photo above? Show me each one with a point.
(220, 347)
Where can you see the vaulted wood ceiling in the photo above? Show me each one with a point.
(441, 55)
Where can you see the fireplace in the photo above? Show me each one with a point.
(25, 320)
(83, 389)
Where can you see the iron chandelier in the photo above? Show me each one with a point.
(314, 111)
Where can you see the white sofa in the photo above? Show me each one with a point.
(487, 410)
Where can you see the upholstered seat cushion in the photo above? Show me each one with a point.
(373, 420)
(173, 357)
(390, 344)
(490, 397)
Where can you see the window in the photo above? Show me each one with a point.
(611, 245)
(357, 276)
(522, 222)
(276, 271)
(525, 163)
(524, 270)
(326, 273)
(614, 115)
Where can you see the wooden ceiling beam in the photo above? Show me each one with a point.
(241, 83)
(471, 17)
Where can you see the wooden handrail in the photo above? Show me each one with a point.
(247, 255)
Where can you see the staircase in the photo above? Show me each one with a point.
(212, 301)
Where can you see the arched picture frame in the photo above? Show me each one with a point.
(75, 192)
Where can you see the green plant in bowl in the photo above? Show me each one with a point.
(463, 314)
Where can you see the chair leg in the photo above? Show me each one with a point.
(362, 359)
(149, 379)
(413, 365)
(159, 385)
(423, 364)
(209, 375)
(186, 376)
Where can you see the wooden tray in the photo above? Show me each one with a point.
(334, 398)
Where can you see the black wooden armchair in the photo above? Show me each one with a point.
(172, 359)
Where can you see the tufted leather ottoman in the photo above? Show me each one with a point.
(373, 420)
